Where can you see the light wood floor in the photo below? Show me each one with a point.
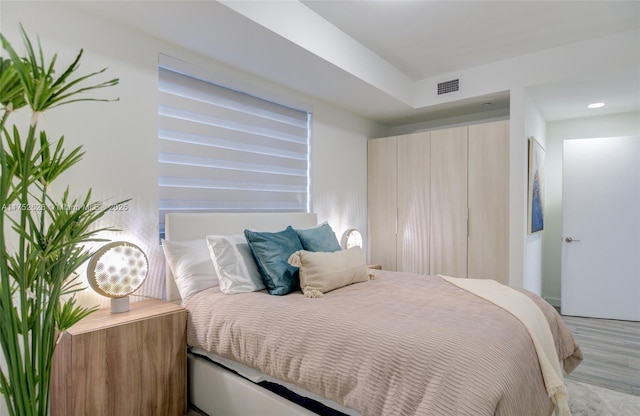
(611, 351)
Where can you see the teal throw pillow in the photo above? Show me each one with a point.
(271, 251)
(319, 238)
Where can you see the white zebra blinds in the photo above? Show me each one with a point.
(224, 150)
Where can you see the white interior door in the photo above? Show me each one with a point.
(601, 228)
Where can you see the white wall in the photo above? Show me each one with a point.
(626, 124)
(532, 279)
(525, 250)
(120, 137)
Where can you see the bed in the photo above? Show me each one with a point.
(395, 344)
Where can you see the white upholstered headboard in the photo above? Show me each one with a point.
(186, 226)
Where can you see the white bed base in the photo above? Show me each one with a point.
(211, 388)
(217, 391)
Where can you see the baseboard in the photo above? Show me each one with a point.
(553, 301)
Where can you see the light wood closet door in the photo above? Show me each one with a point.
(382, 201)
(488, 251)
(413, 203)
(448, 244)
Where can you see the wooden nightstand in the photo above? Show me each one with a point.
(125, 364)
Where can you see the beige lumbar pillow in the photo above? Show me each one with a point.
(321, 272)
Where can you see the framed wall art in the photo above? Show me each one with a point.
(535, 217)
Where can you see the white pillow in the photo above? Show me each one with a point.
(234, 264)
(191, 266)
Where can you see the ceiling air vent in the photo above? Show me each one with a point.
(448, 86)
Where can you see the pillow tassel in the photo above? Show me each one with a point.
(312, 293)
(294, 259)
(372, 275)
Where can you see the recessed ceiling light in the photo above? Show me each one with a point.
(595, 105)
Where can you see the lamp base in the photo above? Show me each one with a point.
(119, 305)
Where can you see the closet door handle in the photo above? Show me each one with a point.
(571, 240)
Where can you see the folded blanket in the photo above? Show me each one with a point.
(523, 308)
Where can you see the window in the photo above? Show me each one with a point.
(224, 150)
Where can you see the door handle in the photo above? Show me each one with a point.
(571, 240)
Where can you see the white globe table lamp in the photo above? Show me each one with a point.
(351, 238)
(116, 270)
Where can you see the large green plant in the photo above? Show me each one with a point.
(43, 240)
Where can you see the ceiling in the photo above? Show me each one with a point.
(366, 56)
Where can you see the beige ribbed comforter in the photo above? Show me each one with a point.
(402, 344)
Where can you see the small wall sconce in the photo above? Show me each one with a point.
(116, 270)
(351, 238)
